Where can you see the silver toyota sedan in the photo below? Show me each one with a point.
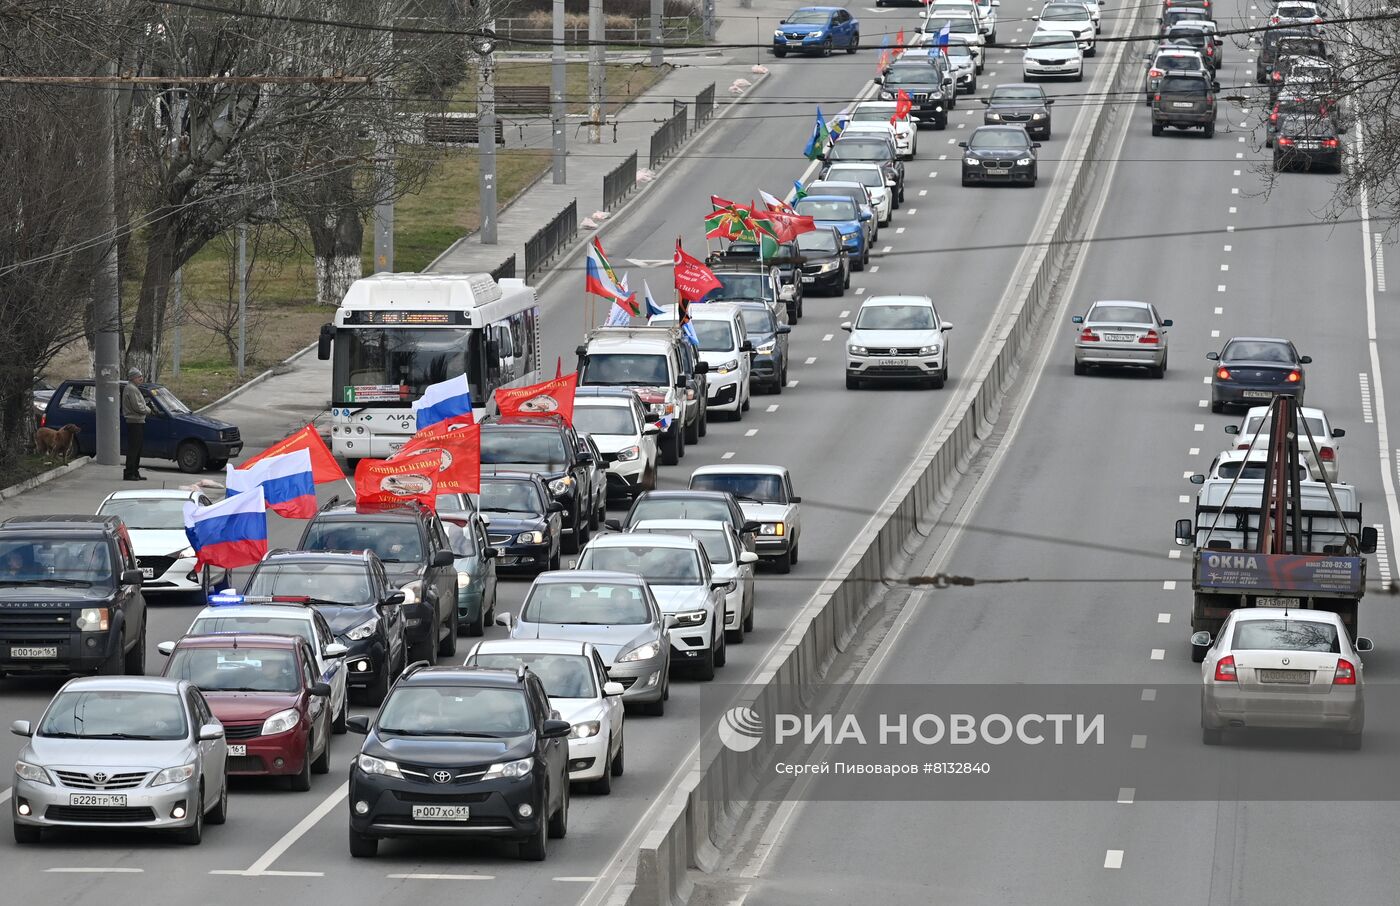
(1112, 334)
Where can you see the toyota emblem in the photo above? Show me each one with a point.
(100, 777)
(1285, 662)
(441, 777)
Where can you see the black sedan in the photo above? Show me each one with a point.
(522, 521)
(1250, 371)
(1021, 103)
(999, 154)
(1307, 143)
(826, 268)
(870, 149)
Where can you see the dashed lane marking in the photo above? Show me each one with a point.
(1219, 310)
(1149, 695)
(1126, 795)
(1200, 427)
(86, 870)
(728, 454)
(1113, 859)
(1205, 379)
(1379, 255)
(1139, 741)
(1220, 288)
(1194, 451)
(751, 432)
(1382, 552)
(874, 268)
(1367, 413)
(1169, 585)
(1164, 617)
(923, 192)
(827, 338)
(425, 876)
(1174, 554)
(846, 313)
(1215, 334)
(1202, 403)
(1158, 654)
(811, 360)
(886, 250)
(772, 408)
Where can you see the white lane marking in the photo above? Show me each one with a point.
(1139, 741)
(1113, 859)
(772, 408)
(1186, 474)
(860, 291)
(911, 212)
(84, 870)
(963, 125)
(1158, 654)
(1239, 155)
(884, 251)
(1202, 403)
(751, 432)
(1205, 379)
(1126, 795)
(585, 878)
(1164, 617)
(1241, 138)
(728, 454)
(1169, 585)
(1380, 262)
(423, 876)
(1174, 554)
(1234, 210)
(811, 360)
(827, 338)
(270, 873)
(845, 313)
(792, 383)
(1215, 334)
(1229, 229)
(1219, 310)
(1183, 499)
(1228, 249)
(274, 852)
(923, 192)
(942, 157)
(1383, 552)
(874, 268)
(898, 230)
(1220, 288)
(1149, 695)
(951, 141)
(1237, 172)
(1367, 414)
(933, 174)
(1194, 451)
(1224, 267)
(5, 796)
(1199, 427)
(1234, 191)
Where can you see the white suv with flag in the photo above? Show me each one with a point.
(906, 136)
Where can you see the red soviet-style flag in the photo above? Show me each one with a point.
(323, 465)
(458, 444)
(693, 279)
(399, 480)
(554, 397)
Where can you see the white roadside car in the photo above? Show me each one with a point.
(615, 419)
(873, 178)
(725, 347)
(156, 521)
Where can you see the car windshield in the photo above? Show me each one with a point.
(605, 419)
(1060, 39)
(912, 75)
(827, 209)
(510, 496)
(895, 317)
(740, 286)
(1120, 314)
(956, 25)
(155, 513)
(1285, 635)
(1251, 470)
(764, 488)
(1319, 431)
(619, 369)
(394, 542)
(1018, 94)
(866, 149)
(541, 448)
(808, 17)
(82, 563)
(714, 541)
(586, 603)
(1295, 10)
(336, 583)
(563, 675)
(866, 176)
(1183, 85)
(236, 669)
(999, 140)
(415, 710)
(168, 401)
(662, 565)
(1063, 12)
(1178, 62)
(1257, 351)
(960, 52)
(111, 714)
(227, 621)
(680, 508)
(872, 114)
(715, 336)
(811, 241)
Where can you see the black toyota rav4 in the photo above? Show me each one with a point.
(461, 752)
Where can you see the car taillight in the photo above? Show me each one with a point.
(1329, 143)
(1210, 50)
(1273, 117)
(1225, 669)
(1222, 373)
(1157, 96)
(1150, 338)
(1285, 142)
(1294, 377)
(1277, 76)
(1087, 335)
(1273, 20)
(1210, 100)
(1346, 673)
(1241, 446)
(1327, 454)
(1155, 73)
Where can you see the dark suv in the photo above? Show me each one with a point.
(70, 597)
(1184, 100)
(413, 546)
(547, 446)
(352, 591)
(461, 752)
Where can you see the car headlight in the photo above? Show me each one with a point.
(1037, 116)
(857, 350)
(828, 267)
(173, 775)
(886, 95)
(972, 162)
(183, 554)
(365, 629)
(530, 538)
(773, 528)
(691, 617)
(727, 367)
(641, 653)
(1023, 162)
(410, 593)
(586, 730)
(560, 485)
(280, 722)
(629, 454)
(928, 350)
(32, 772)
(777, 33)
(994, 117)
(371, 765)
(767, 348)
(94, 619)
(510, 770)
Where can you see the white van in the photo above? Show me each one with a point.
(725, 347)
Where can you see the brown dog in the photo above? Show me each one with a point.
(59, 442)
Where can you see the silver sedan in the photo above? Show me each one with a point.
(1277, 668)
(1121, 333)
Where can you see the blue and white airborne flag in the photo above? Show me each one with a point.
(652, 309)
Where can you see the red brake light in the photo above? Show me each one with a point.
(1087, 335)
(1346, 673)
(43, 419)
(1329, 143)
(1222, 373)
(1241, 446)
(1273, 20)
(1150, 338)
(1157, 96)
(1277, 76)
(1155, 73)
(1294, 377)
(1285, 142)
(1273, 117)
(1326, 453)
(1210, 100)
(1225, 669)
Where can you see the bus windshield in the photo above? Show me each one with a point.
(394, 365)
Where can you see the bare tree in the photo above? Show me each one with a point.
(219, 314)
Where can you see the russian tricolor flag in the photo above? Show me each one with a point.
(230, 533)
(287, 482)
(451, 398)
(599, 282)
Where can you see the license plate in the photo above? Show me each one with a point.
(1309, 145)
(806, 279)
(1185, 104)
(442, 813)
(148, 572)
(891, 362)
(1118, 337)
(1257, 394)
(41, 651)
(1275, 602)
(239, 750)
(1285, 676)
(97, 800)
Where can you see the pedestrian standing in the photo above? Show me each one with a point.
(134, 410)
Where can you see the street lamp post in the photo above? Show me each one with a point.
(485, 48)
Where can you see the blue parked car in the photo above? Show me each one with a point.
(195, 442)
(817, 30)
(840, 212)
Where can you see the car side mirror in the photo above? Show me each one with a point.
(846, 326)
(1050, 102)
(1213, 356)
(784, 328)
(680, 383)
(748, 557)
(1364, 644)
(132, 577)
(945, 326)
(612, 525)
(1077, 319)
(1368, 539)
(585, 456)
(1035, 18)
(324, 340)
(393, 599)
(1219, 43)
(1184, 531)
(357, 723)
(751, 528)
(702, 367)
(1035, 144)
(1166, 322)
(505, 619)
(1232, 429)
(746, 346)
(443, 558)
(320, 690)
(1305, 360)
(22, 728)
(794, 499)
(1198, 478)
(1200, 643)
(554, 506)
(879, 80)
(962, 144)
(1339, 432)
(336, 649)
(210, 732)
(611, 689)
(166, 648)
(556, 729)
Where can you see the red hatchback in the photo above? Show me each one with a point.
(265, 690)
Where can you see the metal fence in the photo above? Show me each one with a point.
(704, 106)
(551, 239)
(522, 34)
(618, 184)
(505, 269)
(668, 137)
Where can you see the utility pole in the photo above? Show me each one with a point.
(242, 297)
(384, 217)
(656, 52)
(596, 56)
(106, 289)
(486, 128)
(558, 110)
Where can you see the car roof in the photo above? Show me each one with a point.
(1259, 340)
(1306, 411)
(382, 511)
(462, 676)
(1020, 129)
(615, 401)
(532, 646)
(289, 611)
(825, 198)
(680, 526)
(239, 640)
(507, 474)
(629, 539)
(157, 494)
(561, 576)
(49, 521)
(1128, 302)
(164, 684)
(361, 556)
(673, 493)
(710, 311)
(730, 468)
(1020, 86)
(880, 105)
(1278, 613)
(533, 422)
(897, 299)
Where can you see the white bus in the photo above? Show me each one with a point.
(394, 334)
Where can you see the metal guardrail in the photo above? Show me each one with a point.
(514, 32)
(505, 269)
(551, 239)
(704, 106)
(618, 184)
(668, 137)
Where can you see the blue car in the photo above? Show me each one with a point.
(840, 212)
(817, 30)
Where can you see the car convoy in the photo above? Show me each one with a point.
(374, 598)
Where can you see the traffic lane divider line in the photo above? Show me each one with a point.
(287, 840)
